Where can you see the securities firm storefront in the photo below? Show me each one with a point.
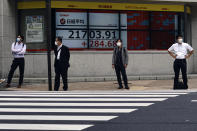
(90, 30)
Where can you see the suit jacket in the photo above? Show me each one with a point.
(124, 55)
(64, 57)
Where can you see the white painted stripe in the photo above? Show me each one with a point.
(65, 110)
(75, 104)
(103, 93)
(22, 95)
(57, 127)
(53, 117)
(83, 99)
(193, 100)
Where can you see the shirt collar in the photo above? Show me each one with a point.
(59, 47)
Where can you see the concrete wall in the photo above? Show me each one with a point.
(194, 35)
(7, 33)
(98, 64)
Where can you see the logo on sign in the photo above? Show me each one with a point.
(62, 21)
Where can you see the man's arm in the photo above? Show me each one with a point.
(126, 58)
(23, 50)
(113, 59)
(189, 54)
(173, 56)
(15, 50)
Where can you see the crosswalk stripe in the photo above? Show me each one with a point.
(106, 93)
(56, 127)
(66, 110)
(75, 104)
(193, 100)
(83, 99)
(53, 117)
(26, 95)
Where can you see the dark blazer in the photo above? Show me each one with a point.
(64, 56)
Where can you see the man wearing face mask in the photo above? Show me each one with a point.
(18, 51)
(180, 51)
(62, 57)
(120, 62)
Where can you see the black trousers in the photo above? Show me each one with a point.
(180, 64)
(120, 69)
(15, 63)
(63, 71)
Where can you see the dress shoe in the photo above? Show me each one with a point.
(7, 85)
(127, 88)
(19, 86)
(120, 87)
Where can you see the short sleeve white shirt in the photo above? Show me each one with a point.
(180, 50)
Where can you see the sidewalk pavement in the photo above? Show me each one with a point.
(135, 85)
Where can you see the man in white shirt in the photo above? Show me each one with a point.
(18, 50)
(180, 51)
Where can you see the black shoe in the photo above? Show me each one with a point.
(19, 86)
(120, 87)
(127, 88)
(7, 85)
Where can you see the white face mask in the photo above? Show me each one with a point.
(56, 43)
(180, 40)
(18, 39)
(119, 44)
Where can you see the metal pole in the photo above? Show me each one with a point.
(48, 30)
(17, 18)
(185, 23)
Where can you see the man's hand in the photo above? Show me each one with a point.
(174, 56)
(112, 66)
(125, 65)
(187, 56)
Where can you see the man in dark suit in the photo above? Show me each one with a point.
(62, 56)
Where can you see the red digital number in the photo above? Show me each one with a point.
(102, 43)
(96, 43)
(109, 44)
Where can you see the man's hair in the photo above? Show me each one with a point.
(22, 37)
(118, 40)
(179, 36)
(59, 39)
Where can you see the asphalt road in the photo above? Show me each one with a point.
(174, 114)
(98, 111)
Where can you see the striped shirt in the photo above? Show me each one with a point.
(18, 50)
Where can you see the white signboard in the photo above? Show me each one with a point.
(34, 29)
(103, 29)
(69, 26)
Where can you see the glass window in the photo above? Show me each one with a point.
(163, 26)
(162, 39)
(142, 30)
(138, 40)
(135, 26)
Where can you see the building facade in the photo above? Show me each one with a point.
(90, 29)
